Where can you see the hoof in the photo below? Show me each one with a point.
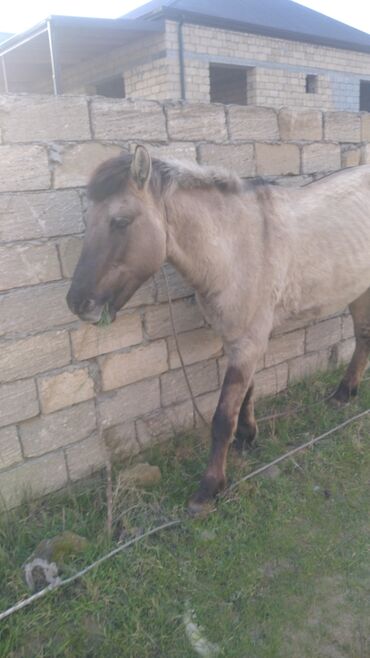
(245, 437)
(203, 501)
(344, 394)
(337, 404)
(201, 510)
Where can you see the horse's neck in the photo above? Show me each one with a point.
(197, 239)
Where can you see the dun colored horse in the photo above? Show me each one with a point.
(256, 255)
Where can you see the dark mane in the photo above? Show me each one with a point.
(112, 175)
(109, 177)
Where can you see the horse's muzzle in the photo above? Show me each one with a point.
(86, 309)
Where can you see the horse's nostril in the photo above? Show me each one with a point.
(87, 305)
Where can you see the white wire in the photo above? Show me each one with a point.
(308, 444)
(60, 583)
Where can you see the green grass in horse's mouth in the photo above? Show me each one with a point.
(105, 318)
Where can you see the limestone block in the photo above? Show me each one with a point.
(129, 402)
(196, 121)
(365, 154)
(347, 327)
(207, 404)
(144, 295)
(203, 378)
(78, 161)
(65, 389)
(289, 325)
(253, 123)
(351, 157)
(118, 370)
(34, 309)
(365, 127)
(197, 345)
(345, 351)
(23, 167)
(174, 150)
(285, 347)
(69, 251)
(271, 380)
(18, 401)
(32, 478)
(186, 313)
(121, 441)
(163, 424)
(223, 363)
(25, 265)
(324, 334)
(85, 457)
(40, 214)
(307, 365)
(239, 157)
(177, 285)
(33, 355)
(320, 158)
(47, 433)
(128, 119)
(298, 124)
(293, 181)
(10, 448)
(342, 126)
(277, 159)
(89, 340)
(44, 118)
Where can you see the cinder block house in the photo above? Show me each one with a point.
(260, 52)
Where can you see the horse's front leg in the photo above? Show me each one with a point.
(238, 380)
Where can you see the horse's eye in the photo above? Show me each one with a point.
(120, 222)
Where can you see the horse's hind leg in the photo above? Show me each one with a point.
(360, 311)
(246, 430)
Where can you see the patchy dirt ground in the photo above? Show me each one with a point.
(337, 625)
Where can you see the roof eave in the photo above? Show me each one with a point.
(22, 37)
(203, 19)
(65, 21)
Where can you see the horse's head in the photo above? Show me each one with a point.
(125, 240)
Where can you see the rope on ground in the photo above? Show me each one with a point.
(62, 582)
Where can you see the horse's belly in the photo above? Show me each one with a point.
(330, 264)
(317, 299)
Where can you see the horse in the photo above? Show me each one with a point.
(256, 255)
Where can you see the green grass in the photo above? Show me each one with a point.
(281, 570)
(105, 319)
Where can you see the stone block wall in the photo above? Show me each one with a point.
(57, 374)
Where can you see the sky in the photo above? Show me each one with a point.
(18, 15)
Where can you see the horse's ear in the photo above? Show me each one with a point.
(141, 166)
